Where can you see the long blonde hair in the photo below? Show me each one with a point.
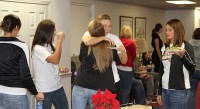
(102, 54)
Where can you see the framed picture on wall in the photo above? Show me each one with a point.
(140, 27)
(125, 20)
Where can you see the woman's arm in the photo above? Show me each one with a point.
(88, 40)
(156, 41)
(55, 57)
(188, 58)
(133, 50)
(25, 74)
(122, 55)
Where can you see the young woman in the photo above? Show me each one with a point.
(88, 39)
(195, 42)
(15, 77)
(157, 45)
(178, 65)
(126, 70)
(45, 64)
(113, 39)
(96, 71)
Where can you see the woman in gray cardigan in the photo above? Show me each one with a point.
(194, 79)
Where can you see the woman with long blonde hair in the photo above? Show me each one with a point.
(96, 70)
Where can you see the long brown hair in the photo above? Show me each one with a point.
(179, 32)
(102, 54)
(44, 34)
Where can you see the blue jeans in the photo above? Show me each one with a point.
(175, 99)
(80, 97)
(138, 90)
(194, 84)
(57, 98)
(13, 101)
(125, 80)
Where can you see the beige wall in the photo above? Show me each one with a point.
(60, 14)
(186, 16)
(115, 10)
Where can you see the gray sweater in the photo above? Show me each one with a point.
(196, 46)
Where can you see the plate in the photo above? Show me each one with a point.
(172, 51)
(112, 47)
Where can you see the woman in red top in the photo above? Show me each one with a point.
(125, 70)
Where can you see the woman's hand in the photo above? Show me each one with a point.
(180, 53)
(144, 76)
(159, 99)
(60, 36)
(109, 40)
(40, 96)
(63, 69)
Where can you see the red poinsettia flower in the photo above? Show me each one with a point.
(105, 100)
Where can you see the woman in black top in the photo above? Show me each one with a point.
(176, 68)
(15, 77)
(157, 45)
(96, 70)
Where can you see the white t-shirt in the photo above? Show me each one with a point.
(117, 42)
(46, 74)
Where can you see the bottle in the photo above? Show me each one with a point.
(39, 105)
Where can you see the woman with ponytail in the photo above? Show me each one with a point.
(15, 76)
(157, 45)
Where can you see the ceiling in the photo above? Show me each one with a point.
(160, 4)
(30, 1)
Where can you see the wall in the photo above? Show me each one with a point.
(115, 10)
(60, 14)
(186, 16)
(197, 18)
(80, 23)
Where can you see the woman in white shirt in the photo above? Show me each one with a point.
(45, 63)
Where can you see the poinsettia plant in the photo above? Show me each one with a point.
(105, 100)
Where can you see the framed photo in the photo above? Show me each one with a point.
(125, 20)
(140, 27)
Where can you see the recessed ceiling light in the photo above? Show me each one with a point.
(181, 2)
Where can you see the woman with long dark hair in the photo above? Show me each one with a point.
(45, 63)
(157, 45)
